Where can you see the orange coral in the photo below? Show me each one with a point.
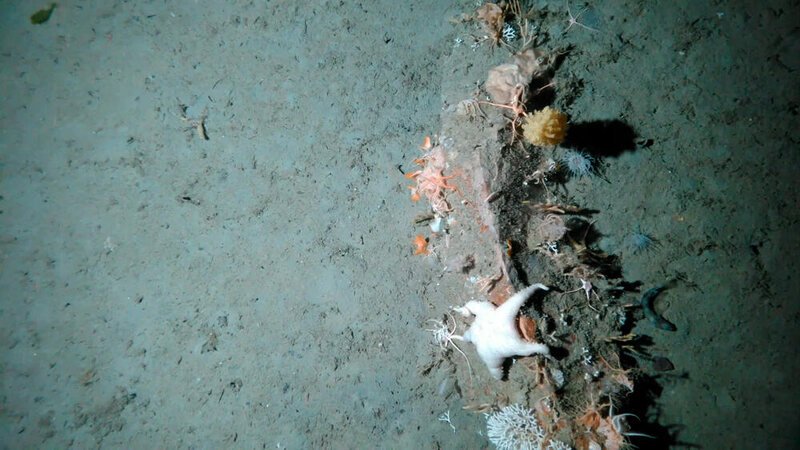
(590, 419)
(431, 181)
(615, 439)
(420, 245)
(600, 429)
(527, 328)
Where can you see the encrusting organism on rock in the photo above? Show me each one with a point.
(545, 128)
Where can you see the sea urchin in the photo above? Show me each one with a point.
(641, 242)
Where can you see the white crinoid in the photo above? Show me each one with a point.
(514, 427)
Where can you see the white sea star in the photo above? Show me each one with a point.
(494, 331)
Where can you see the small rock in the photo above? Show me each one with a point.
(662, 364)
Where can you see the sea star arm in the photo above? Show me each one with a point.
(474, 308)
(510, 308)
(529, 348)
(463, 310)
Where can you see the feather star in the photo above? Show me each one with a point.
(494, 331)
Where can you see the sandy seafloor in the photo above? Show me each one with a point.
(257, 289)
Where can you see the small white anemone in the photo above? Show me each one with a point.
(577, 163)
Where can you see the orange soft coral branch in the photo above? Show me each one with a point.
(431, 181)
(420, 245)
(426, 144)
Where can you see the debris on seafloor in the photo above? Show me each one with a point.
(197, 124)
(43, 15)
(647, 306)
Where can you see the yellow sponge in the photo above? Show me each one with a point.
(545, 128)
